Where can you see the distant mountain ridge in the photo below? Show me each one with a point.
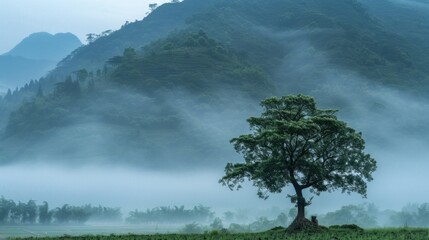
(33, 57)
(45, 46)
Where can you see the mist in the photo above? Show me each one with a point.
(138, 163)
(126, 188)
(416, 4)
(393, 122)
(85, 158)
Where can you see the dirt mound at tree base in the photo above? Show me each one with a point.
(304, 225)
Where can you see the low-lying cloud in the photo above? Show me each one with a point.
(392, 122)
(106, 168)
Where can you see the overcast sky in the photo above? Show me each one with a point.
(20, 18)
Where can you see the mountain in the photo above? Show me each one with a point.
(144, 102)
(172, 89)
(45, 46)
(33, 57)
(408, 19)
(165, 19)
(345, 31)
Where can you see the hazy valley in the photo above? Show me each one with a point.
(142, 116)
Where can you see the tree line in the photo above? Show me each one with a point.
(365, 215)
(369, 216)
(174, 214)
(12, 213)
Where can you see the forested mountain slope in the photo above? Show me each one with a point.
(141, 108)
(176, 86)
(408, 19)
(165, 19)
(270, 30)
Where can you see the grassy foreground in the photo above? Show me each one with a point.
(377, 234)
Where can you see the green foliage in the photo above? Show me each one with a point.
(45, 112)
(294, 143)
(243, 46)
(351, 36)
(260, 224)
(156, 25)
(410, 23)
(193, 62)
(216, 224)
(344, 31)
(171, 215)
(417, 217)
(205, 76)
(12, 213)
(353, 227)
(379, 234)
(361, 215)
(263, 224)
(127, 70)
(82, 75)
(45, 216)
(192, 228)
(71, 214)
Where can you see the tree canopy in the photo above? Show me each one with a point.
(294, 143)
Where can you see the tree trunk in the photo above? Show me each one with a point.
(301, 204)
(301, 223)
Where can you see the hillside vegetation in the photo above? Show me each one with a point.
(136, 99)
(176, 84)
(345, 31)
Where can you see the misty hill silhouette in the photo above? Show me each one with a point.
(173, 88)
(33, 57)
(16, 71)
(45, 46)
(144, 100)
(268, 30)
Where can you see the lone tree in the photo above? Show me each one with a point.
(295, 144)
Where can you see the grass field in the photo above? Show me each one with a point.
(58, 230)
(376, 234)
